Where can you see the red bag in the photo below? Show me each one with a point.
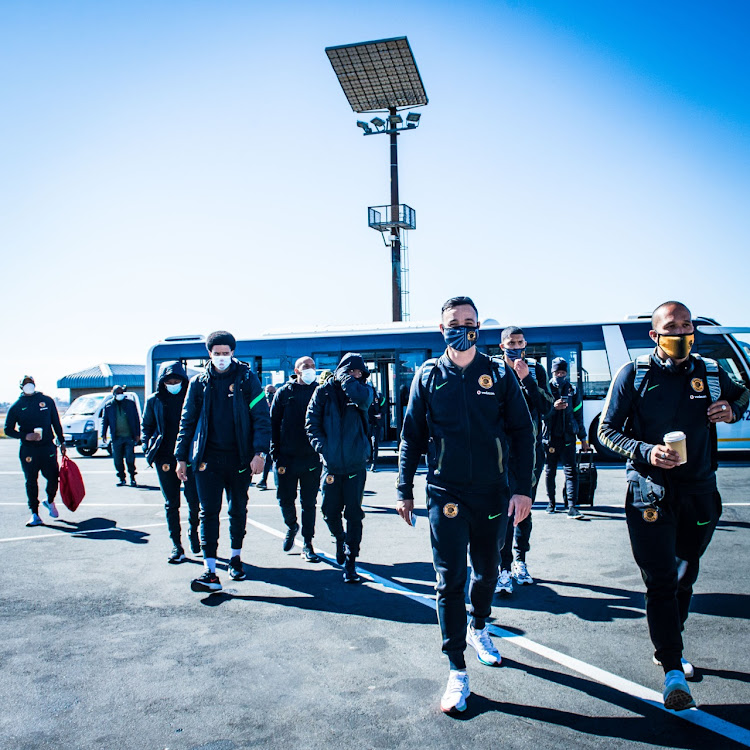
(72, 490)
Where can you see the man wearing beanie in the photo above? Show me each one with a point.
(337, 426)
(224, 435)
(120, 417)
(34, 420)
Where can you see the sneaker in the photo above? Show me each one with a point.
(262, 485)
(574, 513)
(676, 692)
(133, 483)
(35, 520)
(208, 581)
(551, 508)
(504, 583)
(455, 695)
(481, 642)
(50, 506)
(350, 572)
(342, 550)
(121, 482)
(289, 538)
(309, 553)
(195, 542)
(177, 556)
(237, 569)
(687, 668)
(521, 573)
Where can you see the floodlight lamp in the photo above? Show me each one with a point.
(413, 117)
(377, 122)
(395, 119)
(364, 127)
(411, 125)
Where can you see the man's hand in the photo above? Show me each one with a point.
(33, 437)
(405, 508)
(721, 411)
(63, 449)
(664, 457)
(521, 368)
(181, 471)
(560, 404)
(585, 447)
(257, 464)
(518, 508)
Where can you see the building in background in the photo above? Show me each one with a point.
(102, 378)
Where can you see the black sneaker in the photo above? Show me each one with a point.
(208, 581)
(262, 485)
(195, 542)
(133, 483)
(237, 569)
(289, 538)
(342, 550)
(121, 482)
(551, 508)
(177, 556)
(309, 553)
(574, 513)
(350, 571)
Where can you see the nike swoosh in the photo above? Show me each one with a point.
(651, 387)
(438, 387)
(313, 468)
(495, 516)
(351, 476)
(703, 523)
(242, 471)
(23, 408)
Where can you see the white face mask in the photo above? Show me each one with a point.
(221, 362)
(173, 388)
(119, 397)
(308, 376)
(29, 389)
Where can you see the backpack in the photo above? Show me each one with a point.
(643, 365)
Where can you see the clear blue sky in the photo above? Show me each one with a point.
(177, 167)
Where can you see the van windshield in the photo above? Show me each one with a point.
(85, 405)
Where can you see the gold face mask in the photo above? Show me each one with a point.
(676, 347)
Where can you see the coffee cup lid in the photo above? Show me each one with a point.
(674, 437)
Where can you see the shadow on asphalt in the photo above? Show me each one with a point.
(324, 591)
(100, 529)
(651, 725)
(722, 605)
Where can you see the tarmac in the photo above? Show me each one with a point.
(104, 645)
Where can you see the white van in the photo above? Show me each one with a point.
(82, 422)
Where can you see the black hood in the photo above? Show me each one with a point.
(352, 361)
(171, 370)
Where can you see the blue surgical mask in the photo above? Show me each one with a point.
(461, 338)
(514, 354)
(560, 380)
(119, 397)
(173, 388)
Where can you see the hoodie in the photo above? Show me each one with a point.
(161, 415)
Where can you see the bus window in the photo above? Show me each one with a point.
(571, 354)
(595, 369)
(718, 348)
(539, 353)
(326, 361)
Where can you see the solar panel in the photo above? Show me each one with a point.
(378, 75)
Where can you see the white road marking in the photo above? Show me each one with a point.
(63, 532)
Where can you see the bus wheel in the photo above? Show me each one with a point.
(85, 451)
(605, 453)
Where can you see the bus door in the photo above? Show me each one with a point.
(571, 353)
(380, 365)
(401, 373)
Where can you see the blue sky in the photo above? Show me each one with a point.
(177, 167)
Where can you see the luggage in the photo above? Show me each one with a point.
(587, 478)
(72, 490)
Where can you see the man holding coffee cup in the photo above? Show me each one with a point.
(660, 413)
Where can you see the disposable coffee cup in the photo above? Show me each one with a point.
(38, 431)
(677, 441)
(413, 518)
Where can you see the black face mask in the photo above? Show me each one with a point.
(560, 380)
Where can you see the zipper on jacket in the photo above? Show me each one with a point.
(499, 454)
(440, 456)
(468, 422)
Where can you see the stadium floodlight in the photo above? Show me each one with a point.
(364, 127)
(377, 122)
(395, 120)
(413, 117)
(378, 75)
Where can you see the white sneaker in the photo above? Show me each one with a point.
(35, 520)
(687, 667)
(50, 506)
(504, 583)
(481, 642)
(521, 573)
(455, 695)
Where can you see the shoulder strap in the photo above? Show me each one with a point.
(712, 377)
(429, 370)
(498, 368)
(642, 366)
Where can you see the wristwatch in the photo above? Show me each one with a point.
(261, 455)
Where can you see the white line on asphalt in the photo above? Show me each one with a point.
(651, 697)
(81, 533)
(725, 504)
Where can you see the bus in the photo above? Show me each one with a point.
(394, 351)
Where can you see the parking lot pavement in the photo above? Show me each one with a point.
(105, 646)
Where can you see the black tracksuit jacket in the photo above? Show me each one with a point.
(290, 445)
(159, 411)
(36, 410)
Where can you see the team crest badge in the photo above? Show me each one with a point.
(165, 467)
(42, 404)
(485, 381)
(28, 459)
(202, 467)
(650, 515)
(450, 510)
(697, 385)
(551, 450)
(471, 335)
(329, 479)
(231, 387)
(281, 470)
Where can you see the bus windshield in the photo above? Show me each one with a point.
(85, 405)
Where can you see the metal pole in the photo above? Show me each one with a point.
(395, 234)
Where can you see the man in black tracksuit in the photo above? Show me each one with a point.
(295, 460)
(224, 433)
(671, 508)
(34, 420)
(532, 378)
(563, 423)
(336, 425)
(469, 415)
(120, 417)
(161, 423)
(375, 418)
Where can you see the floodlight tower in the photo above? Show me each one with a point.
(377, 76)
